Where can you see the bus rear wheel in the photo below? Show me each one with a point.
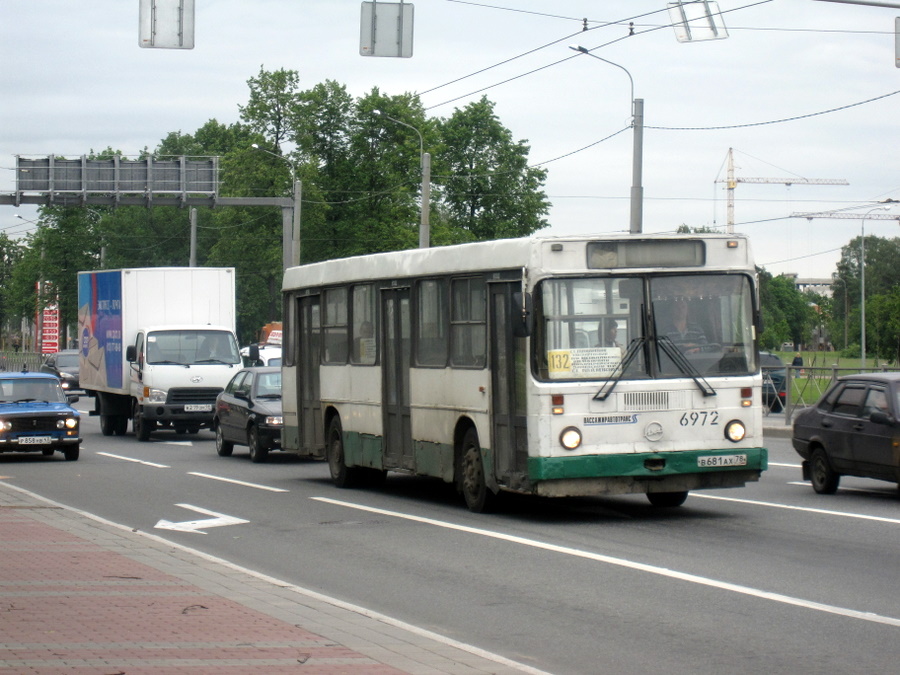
(472, 482)
(342, 476)
(667, 499)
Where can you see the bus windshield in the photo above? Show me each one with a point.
(586, 324)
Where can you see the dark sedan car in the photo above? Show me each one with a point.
(774, 379)
(853, 430)
(248, 412)
(65, 366)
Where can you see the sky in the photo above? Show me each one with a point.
(798, 89)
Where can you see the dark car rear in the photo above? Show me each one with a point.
(774, 380)
(853, 430)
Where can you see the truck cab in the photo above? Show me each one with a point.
(175, 374)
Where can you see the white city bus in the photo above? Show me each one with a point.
(555, 366)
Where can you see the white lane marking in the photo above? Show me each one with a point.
(184, 444)
(630, 564)
(136, 461)
(130, 531)
(807, 509)
(784, 465)
(806, 483)
(217, 520)
(236, 482)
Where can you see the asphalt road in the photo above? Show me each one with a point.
(768, 578)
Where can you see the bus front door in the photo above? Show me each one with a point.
(396, 338)
(508, 373)
(312, 434)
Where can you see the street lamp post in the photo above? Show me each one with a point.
(637, 158)
(290, 239)
(425, 161)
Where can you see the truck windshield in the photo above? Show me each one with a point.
(188, 347)
(585, 325)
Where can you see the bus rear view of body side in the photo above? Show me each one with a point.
(550, 366)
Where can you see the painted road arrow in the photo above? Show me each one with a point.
(197, 526)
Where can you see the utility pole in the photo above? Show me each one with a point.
(732, 181)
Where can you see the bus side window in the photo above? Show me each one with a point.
(364, 343)
(334, 326)
(431, 323)
(468, 312)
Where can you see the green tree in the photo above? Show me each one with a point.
(788, 315)
(61, 246)
(10, 255)
(490, 191)
(882, 279)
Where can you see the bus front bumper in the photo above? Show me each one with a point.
(646, 472)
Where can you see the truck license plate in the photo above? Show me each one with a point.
(35, 440)
(722, 460)
(198, 407)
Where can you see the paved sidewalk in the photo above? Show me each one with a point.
(80, 595)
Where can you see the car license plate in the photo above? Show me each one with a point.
(198, 407)
(35, 440)
(722, 460)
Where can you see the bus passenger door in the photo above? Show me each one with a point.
(312, 434)
(508, 377)
(396, 338)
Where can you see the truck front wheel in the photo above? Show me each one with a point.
(143, 427)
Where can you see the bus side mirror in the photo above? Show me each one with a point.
(254, 354)
(130, 354)
(522, 319)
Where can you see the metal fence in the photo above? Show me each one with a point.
(805, 385)
(16, 361)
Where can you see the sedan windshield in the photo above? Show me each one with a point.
(23, 389)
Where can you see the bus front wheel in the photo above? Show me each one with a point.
(342, 475)
(478, 496)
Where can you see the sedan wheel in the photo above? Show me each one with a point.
(223, 447)
(824, 479)
(257, 452)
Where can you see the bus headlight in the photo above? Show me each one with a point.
(570, 438)
(735, 431)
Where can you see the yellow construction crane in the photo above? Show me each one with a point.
(732, 181)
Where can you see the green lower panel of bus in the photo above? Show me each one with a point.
(647, 465)
(430, 459)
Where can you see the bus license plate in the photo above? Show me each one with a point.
(722, 460)
(197, 407)
(35, 440)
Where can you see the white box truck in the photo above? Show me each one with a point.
(156, 345)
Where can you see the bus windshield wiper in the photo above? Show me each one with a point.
(611, 383)
(684, 365)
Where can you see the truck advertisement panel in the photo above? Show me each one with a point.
(100, 328)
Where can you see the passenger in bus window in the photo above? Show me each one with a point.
(610, 335)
